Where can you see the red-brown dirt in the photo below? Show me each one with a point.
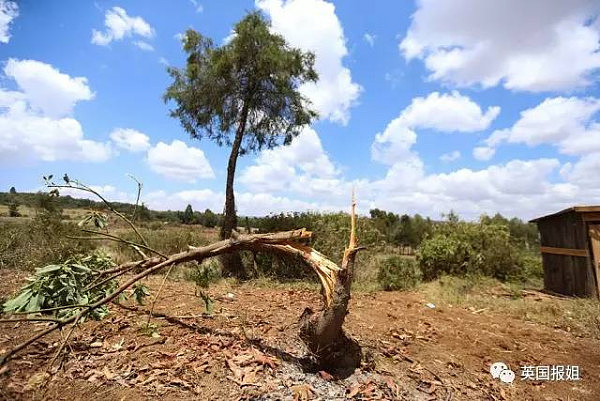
(249, 349)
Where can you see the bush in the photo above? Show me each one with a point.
(460, 248)
(398, 273)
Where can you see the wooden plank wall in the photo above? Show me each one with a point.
(569, 275)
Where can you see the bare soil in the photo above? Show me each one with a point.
(249, 349)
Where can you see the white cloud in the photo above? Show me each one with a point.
(9, 10)
(483, 153)
(197, 6)
(370, 38)
(445, 113)
(567, 123)
(179, 161)
(313, 25)
(130, 139)
(35, 122)
(48, 90)
(143, 45)
(282, 168)
(534, 45)
(450, 157)
(119, 25)
(26, 136)
(247, 203)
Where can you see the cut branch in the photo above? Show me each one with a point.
(321, 331)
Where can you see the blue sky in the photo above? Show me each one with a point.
(427, 106)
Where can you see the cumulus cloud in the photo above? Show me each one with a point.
(533, 45)
(283, 167)
(47, 90)
(179, 162)
(312, 25)
(567, 123)
(451, 112)
(35, 121)
(130, 139)
(9, 10)
(119, 25)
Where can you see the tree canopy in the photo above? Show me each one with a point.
(253, 79)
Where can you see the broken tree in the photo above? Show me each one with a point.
(321, 331)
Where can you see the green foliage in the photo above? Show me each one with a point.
(208, 219)
(65, 284)
(461, 248)
(398, 273)
(97, 219)
(254, 79)
(140, 292)
(203, 275)
(187, 217)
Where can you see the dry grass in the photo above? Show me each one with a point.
(576, 315)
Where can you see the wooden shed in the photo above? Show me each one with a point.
(570, 247)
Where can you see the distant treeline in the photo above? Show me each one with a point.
(380, 227)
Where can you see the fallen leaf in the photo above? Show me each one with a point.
(302, 392)
(354, 390)
(325, 376)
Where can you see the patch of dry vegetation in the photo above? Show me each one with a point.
(518, 300)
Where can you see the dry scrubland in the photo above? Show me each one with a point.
(248, 346)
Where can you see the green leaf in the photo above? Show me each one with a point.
(47, 269)
(140, 292)
(18, 303)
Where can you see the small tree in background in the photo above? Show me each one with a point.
(187, 217)
(12, 191)
(243, 94)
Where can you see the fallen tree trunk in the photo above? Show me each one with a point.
(322, 331)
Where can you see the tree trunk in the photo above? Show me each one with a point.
(322, 332)
(232, 263)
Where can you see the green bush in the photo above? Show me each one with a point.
(398, 273)
(461, 248)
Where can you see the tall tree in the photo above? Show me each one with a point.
(187, 217)
(243, 94)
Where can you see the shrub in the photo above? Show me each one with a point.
(398, 273)
(460, 248)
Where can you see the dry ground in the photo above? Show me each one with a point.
(249, 349)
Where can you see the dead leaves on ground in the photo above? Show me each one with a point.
(246, 366)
